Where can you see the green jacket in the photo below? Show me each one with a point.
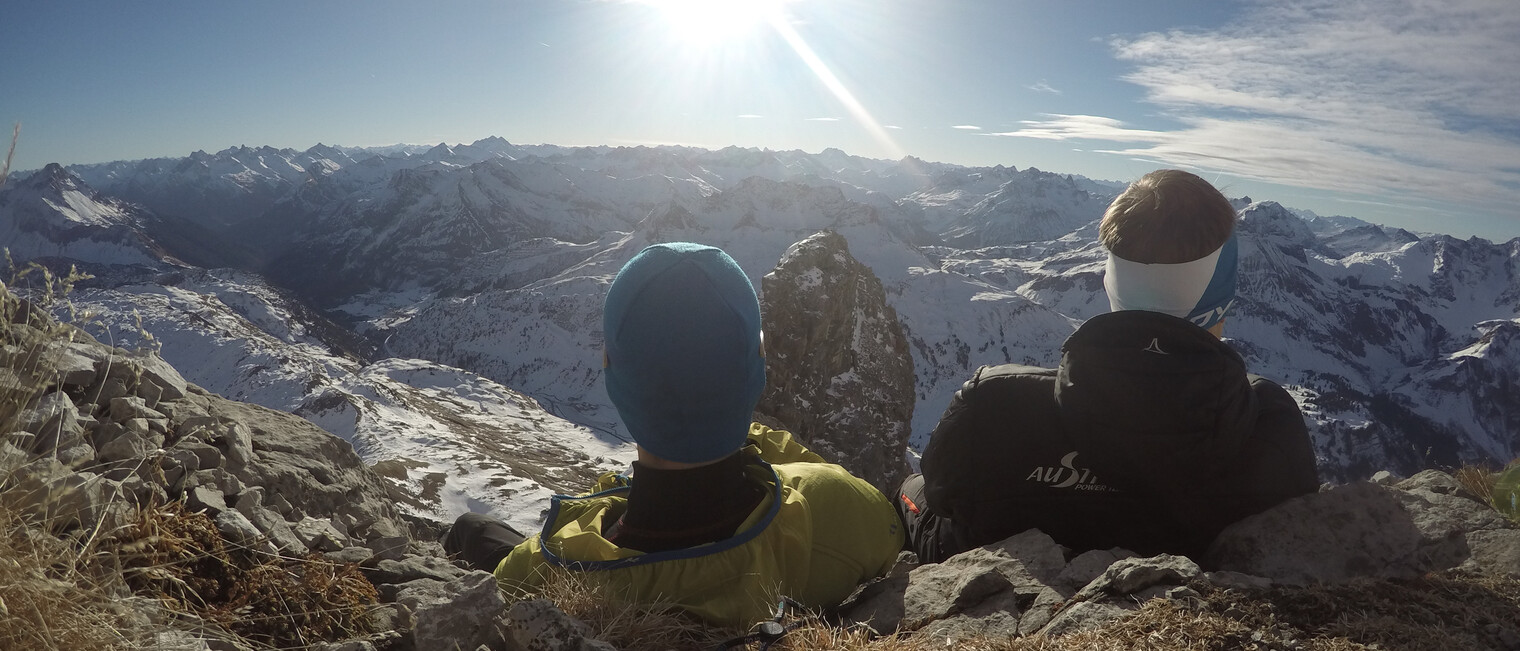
(818, 534)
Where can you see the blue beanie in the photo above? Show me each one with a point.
(684, 366)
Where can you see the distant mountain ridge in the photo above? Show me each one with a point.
(493, 258)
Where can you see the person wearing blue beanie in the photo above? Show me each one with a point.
(684, 362)
(721, 516)
(684, 367)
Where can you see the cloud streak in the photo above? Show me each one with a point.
(1043, 87)
(1415, 98)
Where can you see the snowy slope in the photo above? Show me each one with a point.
(466, 443)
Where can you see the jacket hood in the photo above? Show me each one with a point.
(1154, 398)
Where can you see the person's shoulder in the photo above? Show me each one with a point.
(777, 446)
(1005, 377)
(1001, 408)
(994, 371)
(1269, 392)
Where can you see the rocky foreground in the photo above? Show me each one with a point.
(114, 453)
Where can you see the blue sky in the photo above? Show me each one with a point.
(1403, 112)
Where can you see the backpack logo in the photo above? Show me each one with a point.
(1067, 475)
(1155, 347)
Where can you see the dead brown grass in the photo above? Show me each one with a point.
(1478, 480)
(5, 168)
(70, 593)
(1431, 612)
(649, 627)
(180, 558)
(28, 355)
(46, 603)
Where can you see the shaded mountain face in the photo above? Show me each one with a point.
(495, 258)
(838, 371)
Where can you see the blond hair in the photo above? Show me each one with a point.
(1167, 217)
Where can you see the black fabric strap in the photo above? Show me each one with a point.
(481, 541)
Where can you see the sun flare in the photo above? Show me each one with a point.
(714, 21)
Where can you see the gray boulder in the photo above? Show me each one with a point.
(1425, 523)
(1086, 616)
(1120, 590)
(412, 568)
(1089, 565)
(1133, 575)
(1000, 589)
(74, 363)
(1493, 552)
(319, 535)
(1372, 535)
(458, 614)
(55, 422)
(319, 475)
(238, 530)
(538, 625)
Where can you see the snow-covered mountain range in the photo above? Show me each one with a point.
(393, 296)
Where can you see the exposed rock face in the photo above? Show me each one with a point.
(1351, 536)
(838, 370)
(1426, 523)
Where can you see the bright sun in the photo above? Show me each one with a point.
(715, 21)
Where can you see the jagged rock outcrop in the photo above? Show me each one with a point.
(1350, 535)
(838, 369)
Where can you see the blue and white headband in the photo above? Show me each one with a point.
(1201, 291)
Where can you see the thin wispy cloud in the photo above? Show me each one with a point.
(891, 126)
(1043, 87)
(749, 116)
(967, 127)
(1410, 98)
(821, 119)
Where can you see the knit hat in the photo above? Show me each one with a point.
(1201, 291)
(684, 364)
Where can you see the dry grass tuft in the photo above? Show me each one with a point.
(300, 602)
(5, 168)
(46, 603)
(55, 596)
(645, 627)
(1430, 612)
(27, 354)
(181, 559)
(49, 600)
(1478, 480)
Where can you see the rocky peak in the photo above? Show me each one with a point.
(55, 178)
(839, 373)
(1272, 219)
(440, 152)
